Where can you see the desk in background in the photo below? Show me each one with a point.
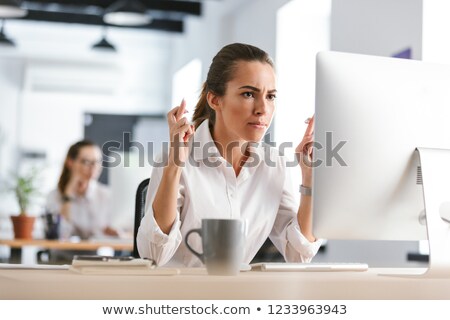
(195, 284)
(16, 246)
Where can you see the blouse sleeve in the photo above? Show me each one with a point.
(151, 241)
(286, 234)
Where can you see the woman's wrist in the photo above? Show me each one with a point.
(68, 193)
(175, 160)
(67, 198)
(307, 181)
(173, 169)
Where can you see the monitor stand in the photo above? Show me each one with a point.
(435, 164)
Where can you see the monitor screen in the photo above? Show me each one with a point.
(371, 115)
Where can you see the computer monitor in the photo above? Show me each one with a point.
(371, 115)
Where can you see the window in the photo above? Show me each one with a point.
(303, 29)
(186, 84)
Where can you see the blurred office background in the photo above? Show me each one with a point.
(55, 88)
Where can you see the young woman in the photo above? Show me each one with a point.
(81, 200)
(217, 169)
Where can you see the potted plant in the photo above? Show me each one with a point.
(24, 189)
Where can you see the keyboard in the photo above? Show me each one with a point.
(315, 266)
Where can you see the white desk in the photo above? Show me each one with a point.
(62, 284)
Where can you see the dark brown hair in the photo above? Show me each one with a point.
(221, 72)
(72, 154)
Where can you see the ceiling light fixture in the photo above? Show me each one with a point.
(104, 44)
(127, 13)
(3, 39)
(12, 9)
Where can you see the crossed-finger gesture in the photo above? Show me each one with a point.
(304, 150)
(180, 131)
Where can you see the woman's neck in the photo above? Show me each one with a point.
(234, 151)
(82, 188)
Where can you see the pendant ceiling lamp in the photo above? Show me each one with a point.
(104, 44)
(4, 40)
(11, 9)
(127, 13)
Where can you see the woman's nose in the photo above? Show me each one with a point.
(261, 107)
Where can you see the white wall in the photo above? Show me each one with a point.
(199, 40)
(436, 31)
(10, 89)
(11, 75)
(384, 27)
(254, 23)
(303, 30)
(377, 27)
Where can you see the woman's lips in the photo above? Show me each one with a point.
(258, 125)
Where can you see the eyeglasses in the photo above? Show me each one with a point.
(90, 163)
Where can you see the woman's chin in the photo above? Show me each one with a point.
(251, 135)
(254, 138)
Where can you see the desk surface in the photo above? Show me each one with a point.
(195, 284)
(118, 244)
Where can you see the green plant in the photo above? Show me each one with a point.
(25, 189)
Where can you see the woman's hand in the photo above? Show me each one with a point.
(180, 132)
(304, 153)
(75, 185)
(165, 202)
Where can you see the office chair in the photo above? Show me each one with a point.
(139, 212)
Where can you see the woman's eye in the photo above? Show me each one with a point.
(248, 94)
(271, 97)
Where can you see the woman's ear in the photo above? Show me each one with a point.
(69, 163)
(213, 100)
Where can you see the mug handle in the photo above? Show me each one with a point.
(199, 255)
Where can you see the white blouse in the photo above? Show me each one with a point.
(89, 214)
(262, 195)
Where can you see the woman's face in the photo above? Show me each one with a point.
(87, 165)
(248, 105)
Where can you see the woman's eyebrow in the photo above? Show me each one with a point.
(251, 88)
(256, 89)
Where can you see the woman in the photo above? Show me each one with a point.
(215, 169)
(82, 201)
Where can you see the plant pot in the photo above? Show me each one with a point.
(23, 226)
